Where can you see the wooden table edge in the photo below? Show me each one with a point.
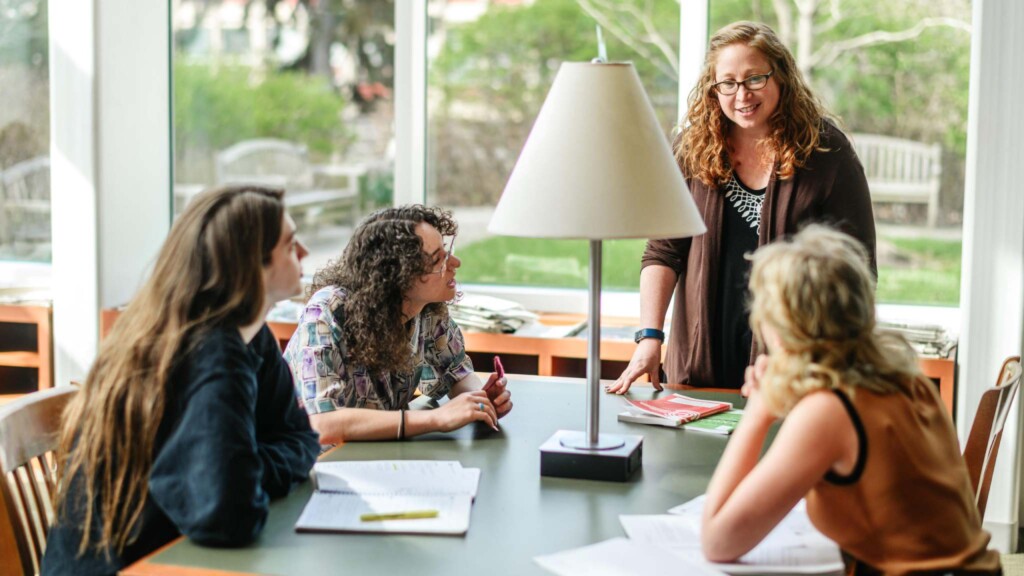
(146, 567)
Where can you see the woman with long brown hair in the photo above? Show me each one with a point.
(865, 438)
(762, 158)
(187, 421)
(376, 329)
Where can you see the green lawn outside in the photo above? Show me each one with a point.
(931, 274)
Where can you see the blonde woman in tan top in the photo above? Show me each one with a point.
(866, 438)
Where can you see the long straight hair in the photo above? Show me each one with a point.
(208, 274)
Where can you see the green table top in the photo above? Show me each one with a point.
(517, 513)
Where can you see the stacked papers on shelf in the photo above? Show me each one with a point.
(489, 314)
(927, 339)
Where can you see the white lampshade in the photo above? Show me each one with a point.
(596, 165)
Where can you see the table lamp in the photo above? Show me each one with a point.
(595, 166)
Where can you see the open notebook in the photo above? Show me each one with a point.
(390, 496)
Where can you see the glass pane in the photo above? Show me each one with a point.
(490, 67)
(24, 132)
(287, 94)
(903, 99)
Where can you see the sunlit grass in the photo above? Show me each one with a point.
(930, 276)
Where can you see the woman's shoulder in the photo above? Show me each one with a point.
(328, 299)
(824, 405)
(217, 341)
(330, 294)
(833, 151)
(833, 142)
(216, 350)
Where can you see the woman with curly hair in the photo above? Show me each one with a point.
(376, 329)
(866, 437)
(762, 158)
(187, 422)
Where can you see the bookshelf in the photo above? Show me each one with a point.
(26, 349)
(567, 356)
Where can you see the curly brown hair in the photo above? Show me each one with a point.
(378, 266)
(795, 126)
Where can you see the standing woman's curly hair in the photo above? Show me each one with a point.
(816, 292)
(795, 126)
(379, 265)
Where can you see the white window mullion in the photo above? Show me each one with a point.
(410, 102)
(693, 42)
(110, 162)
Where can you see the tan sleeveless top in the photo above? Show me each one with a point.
(908, 505)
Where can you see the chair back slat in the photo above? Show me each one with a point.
(29, 433)
(982, 446)
(29, 514)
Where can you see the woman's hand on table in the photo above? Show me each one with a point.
(463, 409)
(646, 360)
(499, 395)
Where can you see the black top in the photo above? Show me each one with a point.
(731, 340)
(231, 438)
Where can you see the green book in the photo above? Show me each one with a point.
(722, 423)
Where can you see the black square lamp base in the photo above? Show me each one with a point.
(559, 458)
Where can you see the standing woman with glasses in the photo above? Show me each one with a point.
(376, 328)
(762, 158)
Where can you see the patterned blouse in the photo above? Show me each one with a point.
(327, 379)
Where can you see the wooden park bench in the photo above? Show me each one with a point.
(25, 202)
(313, 194)
(899, 170)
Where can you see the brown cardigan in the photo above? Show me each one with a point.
(830, 188)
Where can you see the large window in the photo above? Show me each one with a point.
(24, 132)
(896, 74)
(490, 65)
(287, 94)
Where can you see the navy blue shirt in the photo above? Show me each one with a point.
(232, 437)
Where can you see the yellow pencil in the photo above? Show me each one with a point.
(410, 515)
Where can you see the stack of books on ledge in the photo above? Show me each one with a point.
(677, 411)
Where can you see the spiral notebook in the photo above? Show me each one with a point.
(390, 497)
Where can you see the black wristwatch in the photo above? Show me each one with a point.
(648, 333)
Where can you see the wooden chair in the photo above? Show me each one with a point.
(987, 429)
(29, 430)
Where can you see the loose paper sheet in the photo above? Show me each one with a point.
(793, 547)
(621, 557)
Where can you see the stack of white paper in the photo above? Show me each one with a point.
(391, 496)
(793, 547)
